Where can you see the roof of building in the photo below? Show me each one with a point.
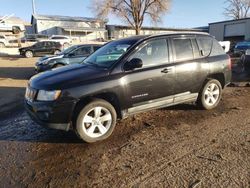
(66, 18)
(156, 28)
(226, 21)
(15, 20)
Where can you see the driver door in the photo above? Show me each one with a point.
(152, 84)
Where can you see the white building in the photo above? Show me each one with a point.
(76, 27)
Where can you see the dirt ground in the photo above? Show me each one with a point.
(180, 146)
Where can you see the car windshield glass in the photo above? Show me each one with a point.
(107, 55)
(68, 50)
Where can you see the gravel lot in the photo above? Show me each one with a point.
(180, 146)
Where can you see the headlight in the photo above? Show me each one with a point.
(44, 62)
(48, 95)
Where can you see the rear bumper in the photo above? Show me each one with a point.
(51, 115)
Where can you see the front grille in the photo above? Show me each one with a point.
(30, 94)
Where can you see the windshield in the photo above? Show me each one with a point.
(107, 55)
(68, 50)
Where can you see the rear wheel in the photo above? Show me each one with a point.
(29, 54)
(56, 52)
(210, 95)
(96, 121)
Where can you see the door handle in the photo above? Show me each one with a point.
(167, 70)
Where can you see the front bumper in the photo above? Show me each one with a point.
(51, 114)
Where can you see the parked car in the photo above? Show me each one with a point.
(241, 47)
(41, 48)
(63, 40)
(129, 76)
(245, 59)
(15, 28)
(3, 41)
(225, 45)
(73, 54)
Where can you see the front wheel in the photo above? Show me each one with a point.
(96, 121)
(29, 54)
(210, 95)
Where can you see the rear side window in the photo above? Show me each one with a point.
(153, 53)
(205, 44)
(217, 49)
(183, 49)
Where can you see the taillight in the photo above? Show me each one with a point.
(230, 63)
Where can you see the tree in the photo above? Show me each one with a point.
(237, 9)
(133, 12)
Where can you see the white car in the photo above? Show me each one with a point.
(63, 40)
(225, 45)
(15, 28)
(3, 41)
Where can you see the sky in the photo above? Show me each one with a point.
(182, 14)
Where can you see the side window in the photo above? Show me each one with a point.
(205, 44)
(183, 49)
(1, 37)
(217, 49)
(83, 51)
(153, 53)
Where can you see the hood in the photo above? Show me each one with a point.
(66, 77)
(50, 57)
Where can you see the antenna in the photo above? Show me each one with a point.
(34, 6)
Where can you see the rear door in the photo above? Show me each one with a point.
(152, 85)
(191, 67)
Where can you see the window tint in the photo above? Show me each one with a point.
(83, 51)
(205, 44)
(153, 53)
(217, 49)
(183, 49)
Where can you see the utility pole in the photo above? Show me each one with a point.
(34, 6)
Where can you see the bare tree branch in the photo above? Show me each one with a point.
(237, 9)
(132, 11)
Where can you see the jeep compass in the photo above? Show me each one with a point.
(129, 76)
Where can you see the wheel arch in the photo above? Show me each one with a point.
(110, 97)
(218, 76)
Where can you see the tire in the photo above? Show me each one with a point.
(89, 124)
(210, 99)
(58, 65)
(29, 54)
(16, 30)
(56, 52)
(66, 45)
(2, 45)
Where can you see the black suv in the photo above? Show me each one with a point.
(129, 76)
(41, 48)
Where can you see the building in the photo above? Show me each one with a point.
(76, 27)
(232, 30)
(120, 31)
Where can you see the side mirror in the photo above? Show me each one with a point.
(133, 64)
